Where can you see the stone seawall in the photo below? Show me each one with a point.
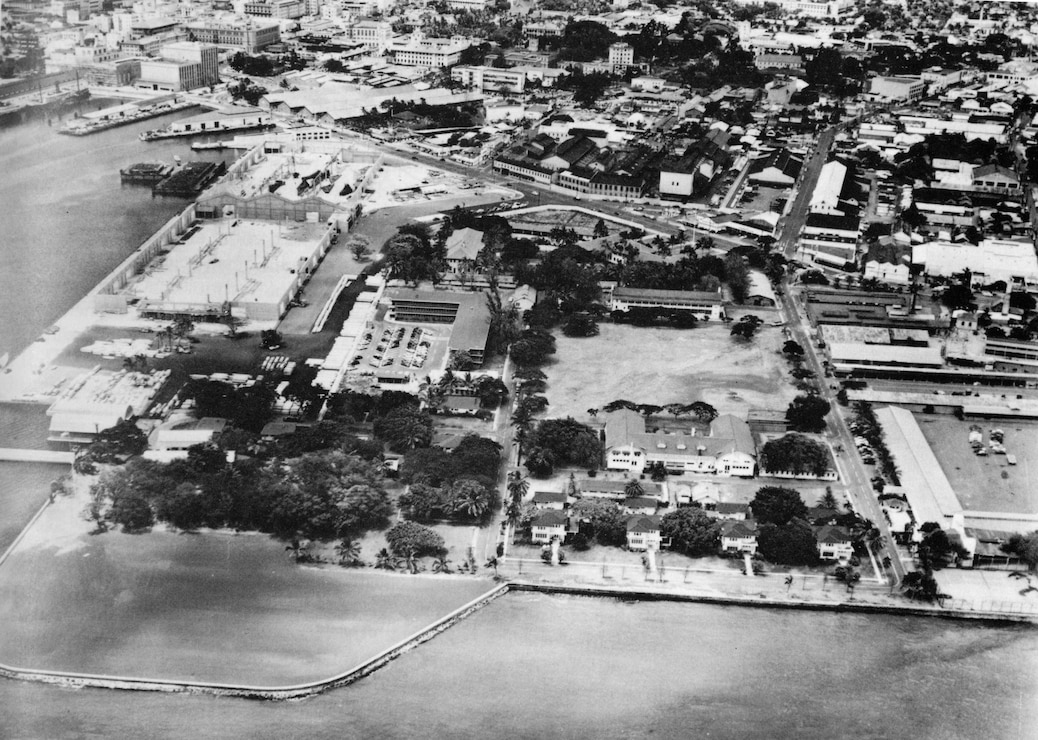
(282, 693)
(274, 693)
(646, 594)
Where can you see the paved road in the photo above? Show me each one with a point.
(852, 470)
(793, 222)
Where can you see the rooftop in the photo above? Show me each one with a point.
(230, 260)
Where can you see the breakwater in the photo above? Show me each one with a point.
(70, 679)
(367, 667)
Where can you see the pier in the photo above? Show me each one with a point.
(10, 454)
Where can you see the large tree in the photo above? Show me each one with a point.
(405, 428)
(789, 544)
(408, 538)
(602, 520)
(691, 531)
(777, 505)
(567, 441)
(806, 413)
(1024, 546)
(795, 453)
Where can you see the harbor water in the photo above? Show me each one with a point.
(529, 665)
(66, 219)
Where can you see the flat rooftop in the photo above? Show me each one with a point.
(229, 259)
(291, 168)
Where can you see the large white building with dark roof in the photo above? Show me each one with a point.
(729, 449)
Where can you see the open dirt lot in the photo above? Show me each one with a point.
(662, 365)
(986, 483)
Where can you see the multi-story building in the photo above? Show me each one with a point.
(811, 8)
(830, 237)
(707, 306)
(466, 312)
(374, 35)
(739, 536)
(729, 449)
(898, 88)
(621, 56)
(418, 51)
(490, 79)
(250, 36)
(285, 9)
(206, 56)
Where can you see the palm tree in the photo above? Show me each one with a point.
(518, 486)
(300, 550)
(473, 502)
(441, 564)
(412, 562)
(348, 552)
(385, 561)
(513, 513)
(828, 501)
(633, 489)
(492, 563)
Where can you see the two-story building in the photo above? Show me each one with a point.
(643, 533)
(834, 543)
(550, 524)
(739, 536)
(729, 450)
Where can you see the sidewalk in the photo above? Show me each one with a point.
(772, 589)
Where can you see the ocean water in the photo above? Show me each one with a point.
(535, 666)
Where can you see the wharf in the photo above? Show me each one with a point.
(148, 173)
(171, 134)
(105, 122)
(190, 179)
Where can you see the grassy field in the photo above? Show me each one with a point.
(212, 606)
(986, 483)
(662, 365)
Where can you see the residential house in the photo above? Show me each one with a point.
(548, 525)
(616, 490)
(731, 511)
(643, 533)
(556, 500)
(739, 536)
(834, 542)
(639, 505)
(456, 405)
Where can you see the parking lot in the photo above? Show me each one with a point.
(986, 483)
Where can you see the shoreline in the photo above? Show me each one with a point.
(710, 589)
(29, 369)
(70, 679)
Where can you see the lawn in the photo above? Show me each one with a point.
(213, 607)
(663, 365)
(986, 483)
